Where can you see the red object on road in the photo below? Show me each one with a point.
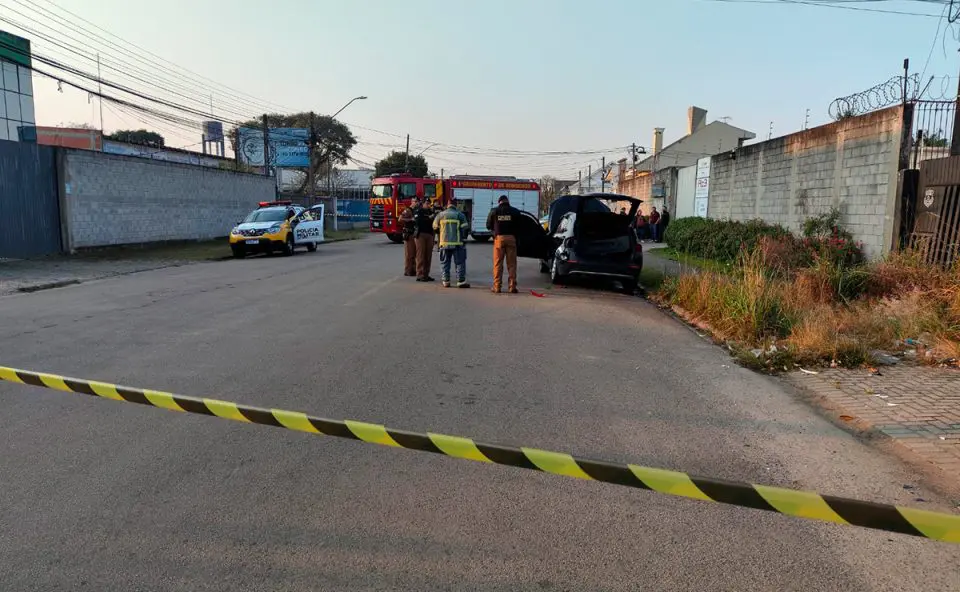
(538, 294)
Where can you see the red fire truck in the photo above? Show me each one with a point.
(475, 195)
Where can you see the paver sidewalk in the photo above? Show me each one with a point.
(918, 407)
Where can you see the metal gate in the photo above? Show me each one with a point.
(937, 227)
(29, 204)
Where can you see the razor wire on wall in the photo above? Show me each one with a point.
(899, 89)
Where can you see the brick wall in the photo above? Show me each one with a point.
(849, 164)
(113, 200)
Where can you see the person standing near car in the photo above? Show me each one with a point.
(423, 223)
(503, 221)
(408, 229)
(664, 220)
(654, 225)
(451, 227)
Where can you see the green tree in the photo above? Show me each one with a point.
(140, 136)
(935, 139)
(395, 163)
(334, 140)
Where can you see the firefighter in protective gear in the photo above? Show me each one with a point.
(408, 229)
(503, 221)
(452, 228)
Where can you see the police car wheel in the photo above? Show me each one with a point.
(481, 239)
(238, 253)
(311, 247)
(288, 246)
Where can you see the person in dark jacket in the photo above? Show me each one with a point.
(408, 229)
(662, 225)
(654, 220)
(423, 234)
(503, 221)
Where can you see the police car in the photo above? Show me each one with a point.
(278, 226)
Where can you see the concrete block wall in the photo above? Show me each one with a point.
(850, 164)
(113, 200)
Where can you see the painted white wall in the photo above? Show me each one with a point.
(686, 189)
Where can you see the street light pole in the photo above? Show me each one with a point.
(336, 225)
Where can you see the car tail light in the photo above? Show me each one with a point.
(638, 248)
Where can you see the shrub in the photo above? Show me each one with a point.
(677, 234)
(722, 240)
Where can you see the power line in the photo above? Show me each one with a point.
(837, 5)
(123, 67)
(191, 76)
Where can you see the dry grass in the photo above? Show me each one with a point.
(825, 313)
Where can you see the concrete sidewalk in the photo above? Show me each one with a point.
(917, 407)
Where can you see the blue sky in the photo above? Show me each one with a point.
(537, 75)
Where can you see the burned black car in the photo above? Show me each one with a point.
(592, 235)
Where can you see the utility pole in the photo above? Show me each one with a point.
(266, 147)
(955, 140)
(770, 134)
(100, 92)
(806, 120)
(589, 177)
(603, 174)
(406, 159)
(311, 142)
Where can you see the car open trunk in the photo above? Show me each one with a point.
(604, 234)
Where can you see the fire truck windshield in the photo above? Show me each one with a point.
(383, 190)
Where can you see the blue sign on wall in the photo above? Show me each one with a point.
(288, 146)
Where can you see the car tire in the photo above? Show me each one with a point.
(555, 276)
(481, 239)
(544, 268)
(288, 248)
(238, 253)
(311, 247)
(395, 238)
(629, 286)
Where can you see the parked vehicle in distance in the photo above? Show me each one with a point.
(590, 238)
(475, 195)
(277, 226)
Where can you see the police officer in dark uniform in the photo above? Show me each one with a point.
(503, 221)
(423, 214)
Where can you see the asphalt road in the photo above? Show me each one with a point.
(104, 496)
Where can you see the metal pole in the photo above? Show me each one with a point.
(955, 140)
(406, 159)
(589, 177)
(603, 174)
(311, 141)
(100, 92)
(266, 147)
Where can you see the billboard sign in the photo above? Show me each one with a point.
(288, 147)
(701, 196)
(15, 49)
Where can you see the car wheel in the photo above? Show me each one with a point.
(544, 268)
(629, 286)
(288, 248)
(395, 238)
(311, 247)
(238, 253)
(555, 276)
(481, 239)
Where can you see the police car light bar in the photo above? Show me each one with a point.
(264, 204)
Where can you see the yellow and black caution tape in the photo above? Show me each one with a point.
(801, 504)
